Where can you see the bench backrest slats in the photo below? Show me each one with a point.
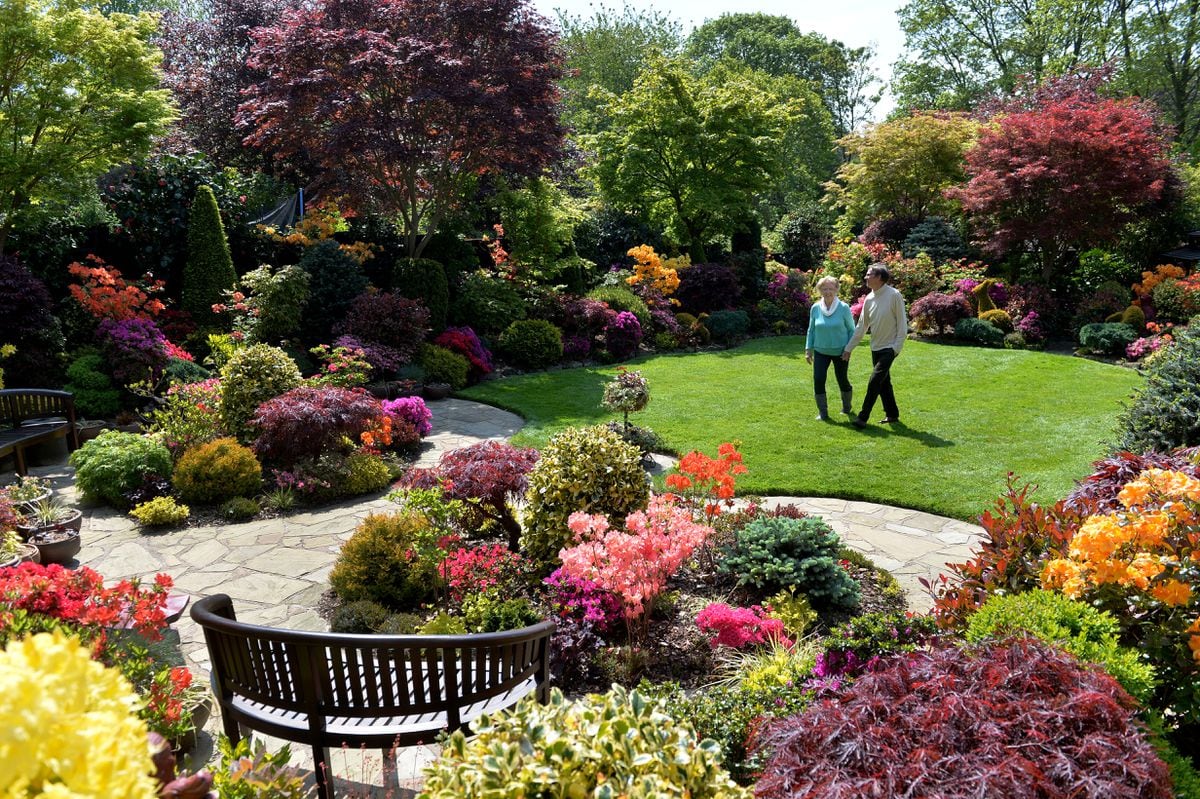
(19, 404)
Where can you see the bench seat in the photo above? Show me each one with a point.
(32, 416)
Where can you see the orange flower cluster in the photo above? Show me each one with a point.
(379, 434)
(649, 268)
(104, 294)
(1150, 552)
(1152, 279)
(700, 478)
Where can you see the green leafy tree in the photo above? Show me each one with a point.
(694, 150)
(841, 76)
(209, 269)
(78, 94)
(901, 167)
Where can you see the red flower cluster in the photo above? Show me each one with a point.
(477, 569)
(701, 477)
(740, 627)
(106, 295)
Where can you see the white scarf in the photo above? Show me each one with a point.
(827, 311)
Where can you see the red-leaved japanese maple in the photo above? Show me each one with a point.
(1018, 719)
(309, 420)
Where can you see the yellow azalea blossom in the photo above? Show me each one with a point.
(1097, 539)
(1142, 569)
(1172, 592)
(1134, 493)
(1150, 529)
(68, 725)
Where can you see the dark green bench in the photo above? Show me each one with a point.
(33, 416)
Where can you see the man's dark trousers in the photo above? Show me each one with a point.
(880, 385)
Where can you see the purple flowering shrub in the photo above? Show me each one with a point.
(938, 313)
(583, 601)
(997, 291)
(384, 360)
(704, 288)
(622, 336)
(1035, 311)
(576, 347)
(136, 349)
(465, 342)
(412, 410)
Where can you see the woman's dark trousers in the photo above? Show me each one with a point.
(841, 372)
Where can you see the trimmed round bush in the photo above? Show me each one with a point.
(1133, 316)
(999, 319)
(366, 474)
(977, 331)
(805, 233)
(424, 279)
(214, 472)
(590, 469)
(379, 562)
(1089, 634)
(531, 344)
(443, 366)
(113, 463)
(1022, 719)
(361, 617)
(776, 552)
(401, 624)
(704, 288)
(613, 744)
(160, 512)
(1165, 412)
(1106, 338)
(250, 377)
(727, 327)
(240, 509)
(620, 298)
(487, 304)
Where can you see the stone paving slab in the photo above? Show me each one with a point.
(276, 570)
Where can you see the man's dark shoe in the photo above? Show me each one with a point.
(858, 422)
(889, 420)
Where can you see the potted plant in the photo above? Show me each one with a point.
(53, 528)
(28, 491)
(13, 550)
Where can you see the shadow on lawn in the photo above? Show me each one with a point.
(904, 431)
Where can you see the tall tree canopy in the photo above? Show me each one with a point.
(405, 103)
(204, 64)
(77, 96)
(900, 168)
(842, 76)
(1063, 172)
(694, 150)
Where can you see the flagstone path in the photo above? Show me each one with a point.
(276, 569)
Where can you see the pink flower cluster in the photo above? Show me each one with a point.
(740, 627)
(634, 563)
(477, 569)
(412, 410)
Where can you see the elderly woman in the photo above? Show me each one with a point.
(830, 326)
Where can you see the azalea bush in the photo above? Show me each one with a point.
(738, 628)
(341, 367)
(136, 350)
(465, 342)
(412, 410)
(484, 569)
(103, 293)
(1142, 564)
(188, 415)
(706, 483)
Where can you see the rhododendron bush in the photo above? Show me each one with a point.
(634, 563)
(1142, 563)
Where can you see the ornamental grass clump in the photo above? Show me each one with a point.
(616, 744)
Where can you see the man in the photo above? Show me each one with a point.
(883, 314)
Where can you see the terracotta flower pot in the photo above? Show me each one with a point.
(57, 545)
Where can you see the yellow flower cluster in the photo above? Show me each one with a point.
(649, 268)
(1151, 548)
(68, 725)
(319, 223)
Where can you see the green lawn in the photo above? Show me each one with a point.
(969, 416)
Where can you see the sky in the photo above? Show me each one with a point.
(853, 22)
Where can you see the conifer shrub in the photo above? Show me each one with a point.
(250, 377)
(977, 331)
(208, 270)
(424, 280)
(335, 279)
(589, 469)
(999, 319)
(959, 723)
(938, 238)
(727, 327)
(362, 617)
(113, 463)
(1165, 412)
(401, 624)
(1106, 338)
(531, 344)
(443, 366)
(216, 471)
(365, 474)
(487, 304)
(95, 394)
(379, 562)
(774, 553)
(1089, 634)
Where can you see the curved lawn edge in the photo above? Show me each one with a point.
(970, 416)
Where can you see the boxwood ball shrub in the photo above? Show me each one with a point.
(488, 304)
(1089, 634)
(424, 279)
(361, 617)
(977, 331)
(603, 745)
(95, 394)
(1165, 412)
(776, 552)
(999, 319)
(160, 512)
(443, 366)
(240, 509)
(214, 472)
(1020, 719)
(379, 562)
(531, 344)
(1106, 338)
(250, 377)
(113, 463)
(589, 469)
(727, 327)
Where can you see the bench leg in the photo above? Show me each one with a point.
(19, 458)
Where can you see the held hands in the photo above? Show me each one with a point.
(845, 356)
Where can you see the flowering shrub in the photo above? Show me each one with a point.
(582, 600)
(384, 360)
(704, 288)
(308, 421)
(135, 348)
(622, 335)
(650, 271)
(705, 483)
(959, 723)
(634, 563)
(1145, 345)
(740, 627)
(1142, 564)
(189, 415)
(1152, 278)
(490, 473)
(69, 723)
(1099, 491)
(268, 302)
(628, 392)
(104, 294)
(412, 410)
(490, 568)
(576, 347)
(464, 341)
(342, 367)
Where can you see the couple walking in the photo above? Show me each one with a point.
(832, 336)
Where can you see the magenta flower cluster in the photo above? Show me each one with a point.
(136, 349)
(622, 335)
(412, 410)
(583, 600)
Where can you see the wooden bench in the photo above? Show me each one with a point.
(35, 415)
(376, 691)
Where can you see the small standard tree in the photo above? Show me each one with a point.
(209, 268)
